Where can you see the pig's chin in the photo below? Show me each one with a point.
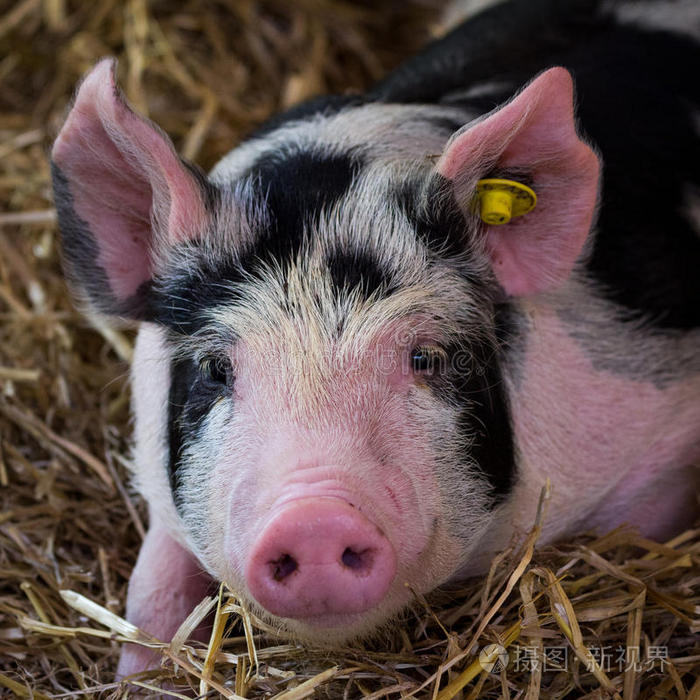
(334, 629)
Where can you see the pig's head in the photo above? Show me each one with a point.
(321, 404)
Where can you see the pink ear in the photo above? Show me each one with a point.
(534, 134)
(122, 193)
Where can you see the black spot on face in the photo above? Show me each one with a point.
(472, 381)
(511, 334)
(434, 215)
(193, 393)
(181, 299)
(358, 270)
(296, 189)
(488, 418)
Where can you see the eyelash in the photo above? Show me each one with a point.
(428, 359)
(216, 370)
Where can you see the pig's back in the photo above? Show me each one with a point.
(638, 102)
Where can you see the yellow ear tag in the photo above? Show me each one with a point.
(499, 200)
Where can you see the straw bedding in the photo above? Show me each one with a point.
(614, 616)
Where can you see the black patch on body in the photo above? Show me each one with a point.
(445, 122)
(635, 106)
(488, 47)
(647, 251)
(190, 399)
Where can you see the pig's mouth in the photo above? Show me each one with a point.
(331, 629)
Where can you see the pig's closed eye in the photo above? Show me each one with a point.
(216, 371)
(428, 360)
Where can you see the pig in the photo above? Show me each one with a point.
(345, 380)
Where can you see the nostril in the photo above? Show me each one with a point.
(357, 561)
(285, 566)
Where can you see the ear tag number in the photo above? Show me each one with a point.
(500, 200)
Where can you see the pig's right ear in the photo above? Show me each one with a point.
(122, 196)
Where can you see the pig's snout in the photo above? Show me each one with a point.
(320, 558)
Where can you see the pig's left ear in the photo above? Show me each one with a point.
(533, 135)
(123, 197)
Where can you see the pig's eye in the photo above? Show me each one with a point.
(428, 360)
(216, 370)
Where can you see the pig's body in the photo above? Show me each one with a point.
(343, 381)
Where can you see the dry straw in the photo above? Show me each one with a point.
(70, 528)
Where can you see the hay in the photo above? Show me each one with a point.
(70, 527)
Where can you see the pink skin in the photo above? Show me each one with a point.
(165, 585)
(619, 449)
(329, 464)
(319, 557)
(322, 476)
